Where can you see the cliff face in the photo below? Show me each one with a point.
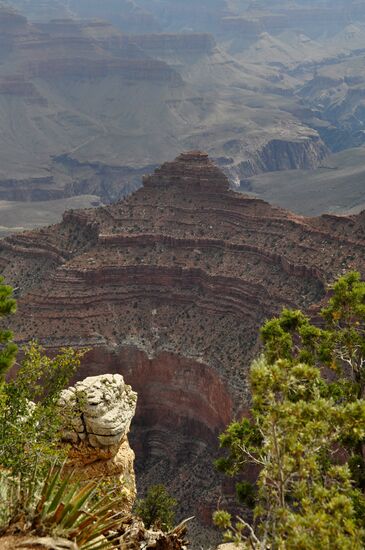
(338, 92)
(73, 49)
(97, 413)
(88, 109)
(278, 154)
(169, 287)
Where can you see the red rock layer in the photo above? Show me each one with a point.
(169, 287)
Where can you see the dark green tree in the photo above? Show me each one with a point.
(30, 419)
(305, 496)
(308, 403)
(157, 509)
(8, 349)
(335, 343)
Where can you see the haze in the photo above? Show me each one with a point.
(95, 94)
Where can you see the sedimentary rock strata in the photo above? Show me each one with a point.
(43, 122)
(169, 288)
(87, 109)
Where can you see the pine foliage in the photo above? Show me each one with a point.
(304, 422)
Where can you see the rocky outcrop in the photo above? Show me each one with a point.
(336, 97)
(97, 415)
(29, 189)
(247, 29)
(132, 534)
(150, 70)
(281, 154)
(136, 535)
(68, 49)
(101, 408)
(169, 287)
(110, 183)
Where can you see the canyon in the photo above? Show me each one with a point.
(95, 95)
(168, 287)
(166, 278)
(89, 108)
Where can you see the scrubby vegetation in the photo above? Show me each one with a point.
(36, 496)
(29, 414)
(8, 349)
(306, 434)
(157, 509)
(39, 497)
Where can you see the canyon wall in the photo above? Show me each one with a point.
(169, 287)
(88, 110)
(279, 155)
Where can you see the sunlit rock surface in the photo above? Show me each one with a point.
(98, 412)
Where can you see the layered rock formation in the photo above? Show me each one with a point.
(87, 109)
(97, 413)
(46, 116)
(278, 155)
(169, 288)
(125, 14)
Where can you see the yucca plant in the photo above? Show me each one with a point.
(57, 505)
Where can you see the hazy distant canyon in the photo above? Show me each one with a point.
(95, 94)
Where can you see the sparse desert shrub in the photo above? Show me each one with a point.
(157, 509)
(29, 416)
(8, 349)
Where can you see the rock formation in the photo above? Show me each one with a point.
(137, 536)
(98, 412)
(87, 109)
(169, 288)
(133, 535)
(158, 44)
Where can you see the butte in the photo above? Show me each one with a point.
(169, 288)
